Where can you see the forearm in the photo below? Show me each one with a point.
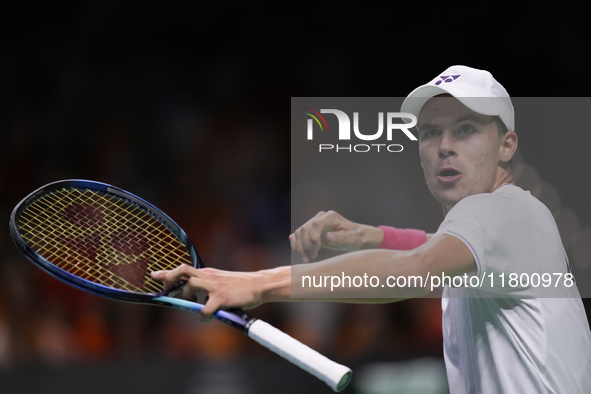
(286, 283)
(275, 286)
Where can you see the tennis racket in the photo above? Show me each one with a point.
(106, 241)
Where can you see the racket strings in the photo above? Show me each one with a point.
(102, 238)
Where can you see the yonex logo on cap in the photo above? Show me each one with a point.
(447, 78)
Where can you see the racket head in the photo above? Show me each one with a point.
(100, 239)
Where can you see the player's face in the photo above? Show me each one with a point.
(459, 149)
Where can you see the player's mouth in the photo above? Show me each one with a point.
(448, 175)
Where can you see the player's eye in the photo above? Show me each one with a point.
(466, 129)
(429, 133)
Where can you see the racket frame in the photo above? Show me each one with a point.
(235, 317)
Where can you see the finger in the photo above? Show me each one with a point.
(296, 245)
(182, 272)
(341, 234)
(311, 237)
(210, 307)
(331, 238)
(293, 243)
(314, 240)
(305, 244)
(203, 318)
(339, 240)
(307, 240)
(194, 285)
(298, 252)
(160, 276)
(326, 224)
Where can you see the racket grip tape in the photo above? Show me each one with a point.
(335, 375)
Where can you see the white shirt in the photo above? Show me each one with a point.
(524, 338)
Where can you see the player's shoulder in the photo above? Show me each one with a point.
(509, 199)
(504, 194)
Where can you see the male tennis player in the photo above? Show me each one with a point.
(508, 339)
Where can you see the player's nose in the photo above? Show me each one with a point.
(446, 145)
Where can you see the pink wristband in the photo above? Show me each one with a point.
(402, 239)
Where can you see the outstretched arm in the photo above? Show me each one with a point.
(246, 290)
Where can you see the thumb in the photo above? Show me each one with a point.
(210, 307)
(339, 238)
(342, 240)
(331, 238)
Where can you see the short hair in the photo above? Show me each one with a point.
(501, 127)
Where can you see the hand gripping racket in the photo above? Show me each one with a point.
(106, 241)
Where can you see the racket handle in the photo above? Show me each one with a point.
(335, 375)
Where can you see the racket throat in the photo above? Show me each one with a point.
(249, 323)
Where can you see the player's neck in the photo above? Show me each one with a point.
(504, 177)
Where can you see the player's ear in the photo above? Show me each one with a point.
(508, 146)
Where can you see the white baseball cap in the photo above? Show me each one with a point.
(476, 89)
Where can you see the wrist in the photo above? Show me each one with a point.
(273, 284)
(371, 237)
(402, 239)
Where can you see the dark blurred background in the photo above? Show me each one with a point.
(187, 105)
